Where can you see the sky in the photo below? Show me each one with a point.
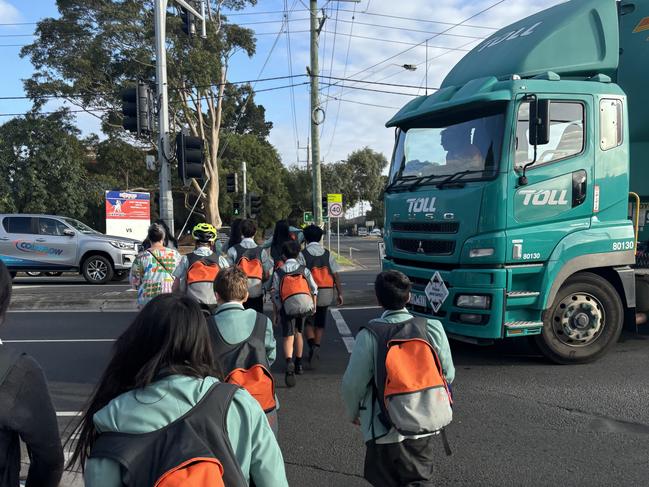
(364, 42)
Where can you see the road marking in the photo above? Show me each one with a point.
(68, 414)
(360, 307)
(343, 329)
(70, 340)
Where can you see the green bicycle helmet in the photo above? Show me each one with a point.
(204, 232)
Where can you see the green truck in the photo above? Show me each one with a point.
(508, 199)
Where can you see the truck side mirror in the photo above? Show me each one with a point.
(539, 122)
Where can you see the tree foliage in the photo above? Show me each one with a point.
(97, 47)
(43, 166)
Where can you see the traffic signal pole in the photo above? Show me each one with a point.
(315, 110)
(166, 197)
(244, 187)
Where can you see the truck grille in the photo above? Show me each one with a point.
(426, 227)
(424, 247)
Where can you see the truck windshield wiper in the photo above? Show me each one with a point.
(423, 179)
(398, 182)
(458, 175)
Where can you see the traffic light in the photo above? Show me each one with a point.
(189, 152)
(255, 205)
(325, 207)
(189, 27)
(136, 109)
(231, 183)
(236, 209)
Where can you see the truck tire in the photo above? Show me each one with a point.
(12, 274)
(584, 321)
(97, 269)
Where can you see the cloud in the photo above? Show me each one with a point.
(362, 113)
(9, 13)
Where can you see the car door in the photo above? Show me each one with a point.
(61, 248)
(17, 242)
(556, 199)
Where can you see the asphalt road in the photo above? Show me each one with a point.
(518, 419)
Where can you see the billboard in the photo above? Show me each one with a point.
(128, 214)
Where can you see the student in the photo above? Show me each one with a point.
(252, 259)
(281, 235)
(294, 293)
(244, 339)
(152, 272)
(393, 459)
(324, 269)
(197, 271)
(235, 234)
(160, 390)
(26, 413)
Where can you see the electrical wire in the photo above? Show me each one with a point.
(392, 41)
(376, 14)
(289, 57)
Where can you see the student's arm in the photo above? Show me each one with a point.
(271, 346)
(180, 275)
(254, 443)
(135, 276)
(335, 269)
(359, 373)
(102, 472)
(266, 263)
(440, 342)
(34, 419)
(232, 255)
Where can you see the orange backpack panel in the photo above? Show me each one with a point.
(411, 367)
(258, 381)
(252, 267)
(322, 277)
(292, 285)
(196, 472)
(202, 271)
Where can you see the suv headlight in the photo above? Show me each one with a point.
(118, 244)
(476, 301)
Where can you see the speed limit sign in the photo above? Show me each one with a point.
(335, 210)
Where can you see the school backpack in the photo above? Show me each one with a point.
(193, 451)
(294, 293)
(409, 384)
(322, 274)
(245, 364)
(201, 273)
(249, 261)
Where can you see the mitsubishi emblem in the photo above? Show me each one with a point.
(420, 248)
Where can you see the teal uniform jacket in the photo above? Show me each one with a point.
(162, 402)
(356, 384)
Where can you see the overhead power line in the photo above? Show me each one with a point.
(393, 41)
(376, 14)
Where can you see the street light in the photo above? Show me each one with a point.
(407, 67)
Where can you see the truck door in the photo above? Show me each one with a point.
(17, 242)
(557, 199)
(61, 248)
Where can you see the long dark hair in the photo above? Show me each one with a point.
(5, 290)
(169, 237)
(235, 233)
(169, 336)
(281, 235)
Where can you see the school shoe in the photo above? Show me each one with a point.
(289, 377)
(299, 369)
(314, 358)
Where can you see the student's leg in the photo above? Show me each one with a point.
(288, 332)
(299, 345)
(415, 461)
(314, 335)
(380, 468)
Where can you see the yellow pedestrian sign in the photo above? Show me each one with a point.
(335, 198)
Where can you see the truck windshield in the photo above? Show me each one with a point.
(470, 146)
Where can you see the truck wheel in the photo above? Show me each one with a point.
(97, 269)
(584, 321)
(12, 274)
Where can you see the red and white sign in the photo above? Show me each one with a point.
(128, 214)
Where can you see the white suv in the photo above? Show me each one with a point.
(49, 243)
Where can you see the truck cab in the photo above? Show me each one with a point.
(509, 186)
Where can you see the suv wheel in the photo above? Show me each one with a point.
(97, 269)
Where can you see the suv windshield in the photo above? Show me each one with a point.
(77, 225)
(470, 146)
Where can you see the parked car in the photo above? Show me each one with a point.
(50, 243)
(362, 231)
(376, 232)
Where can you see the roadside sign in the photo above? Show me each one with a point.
(381, 254)
(308, 217)
(436, 291)
(335, 210)
(335, 198)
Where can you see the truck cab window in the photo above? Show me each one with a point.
(566, 134)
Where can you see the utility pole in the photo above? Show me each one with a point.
(317, 114)
(244, 186)
(166, 198)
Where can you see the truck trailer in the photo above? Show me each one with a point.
(517, 192)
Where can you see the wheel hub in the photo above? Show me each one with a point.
(578, 319)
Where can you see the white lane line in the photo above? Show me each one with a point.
(68, 414)
(343, 329)
(71, 340)
(361, 307)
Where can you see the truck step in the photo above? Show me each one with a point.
(523, 325)
(522, 294)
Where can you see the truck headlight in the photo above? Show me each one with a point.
(486, 252)
(473, 301)
(118, 244)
